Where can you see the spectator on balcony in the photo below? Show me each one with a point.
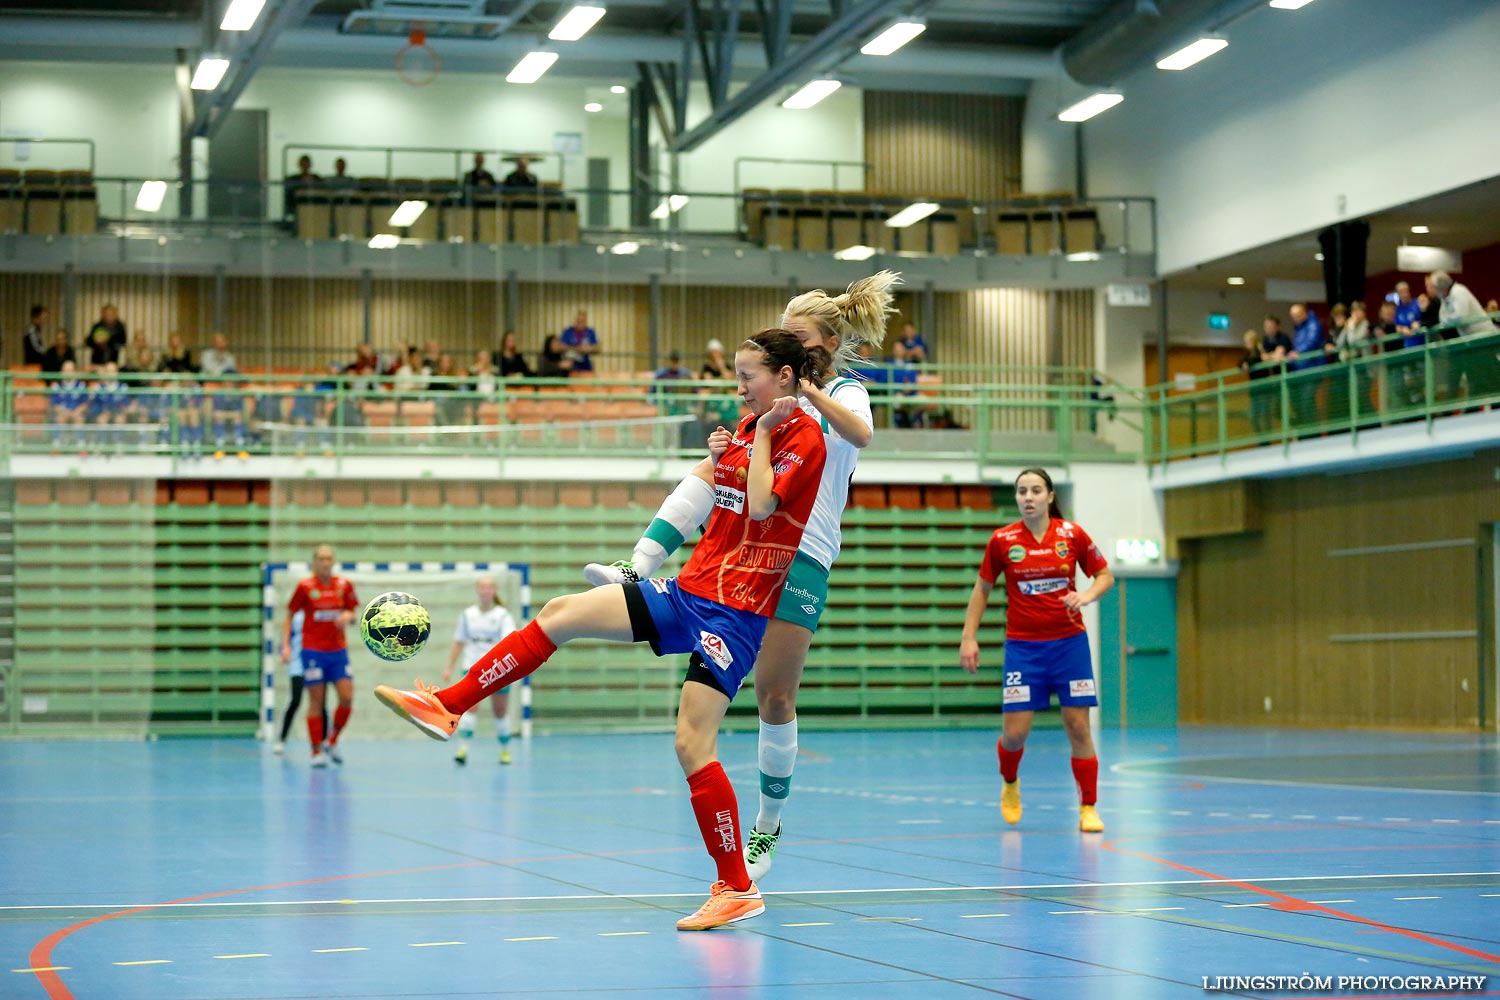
(340, 180)
(1432, 307)
(109, 400)
(450, 392)
(217, 360)
(1275, 345)
(1308, 343)
(1408, 316)
(1338, 316)
(230, 406)
(365, 366)
(512, 361)
(432, 351)
(479, 177)
(722, 407)
(106, 339)
(1460, 309)
(520, 178)
(177, 359)
(913, 347)
(1253, 364)
(555, 361)
(139, 358)
(1383, 331)
(1353, 342)
(34, 340)
(1492, 306)
(411, 378)
(715, 366)
(483, 374)
(581, 340)
(69, 402)
(59, 354)
(302, 181)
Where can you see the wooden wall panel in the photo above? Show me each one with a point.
(955, 145)
(692, 316)
(619, 314)
(18, 293)
(1260, 612)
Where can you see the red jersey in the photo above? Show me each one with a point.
(741, 563)
(321, 631)
(1038, 575)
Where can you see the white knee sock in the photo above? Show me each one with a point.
(466, 726)
(778, 755)
(502, 729)
(681, 512)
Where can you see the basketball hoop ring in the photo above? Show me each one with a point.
(417, 64)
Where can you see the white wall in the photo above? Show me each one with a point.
(1376, 102)
(129, 112)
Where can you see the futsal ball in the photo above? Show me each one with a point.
(395, 626)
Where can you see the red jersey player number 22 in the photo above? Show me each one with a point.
(745, 567)
(1038, 575)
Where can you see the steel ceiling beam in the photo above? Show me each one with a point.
(213, 107)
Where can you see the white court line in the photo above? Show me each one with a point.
(926, 890)
(1126, 767)
(1407, 899)
(917, 822)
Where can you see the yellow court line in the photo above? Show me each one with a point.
(543, 938)
(333, 951)
(623, 933)
(815, 923)
(258, 954)
(977, 916)
(433, 944)
(45, 968)
(148, 961)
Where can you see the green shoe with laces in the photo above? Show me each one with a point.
(760, 851)
(619, 571)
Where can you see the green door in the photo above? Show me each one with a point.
(1138, 653)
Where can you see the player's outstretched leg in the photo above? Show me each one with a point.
(681, 512)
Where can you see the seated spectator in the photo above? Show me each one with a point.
(60, 353)
(177, 359)
(68, 403)
(431, 352)
(139, 357)
(870, 370)
(479, 177)
(554, 361)
(217, 360)
(721, 407)
(482, 372)
(715, 365)
(581, 341)
(34, 340)
(673, 370)
(190, 417)
(109, 400)
(679, 400)
(912, 344)
(903, 372)
(449, 389)
(364, 367)
(411, 378)
(311, 406)
(106, 340)
(229, 411)
(520, 177)
(512, 362)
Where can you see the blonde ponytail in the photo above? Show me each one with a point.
(856, 317)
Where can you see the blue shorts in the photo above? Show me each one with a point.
(725, 640)
(319, 667)
(1035, 668)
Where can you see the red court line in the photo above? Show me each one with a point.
(1292, 904)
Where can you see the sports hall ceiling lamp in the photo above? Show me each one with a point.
(1290, 4)
(241, 15)
(894, 37)
(1420, 230)
(811, 93)
(407, 213)
(384, 241)
(210, 71)
(915, 212)
(1235, 280)
(593, 107)
(618, 88)
(531, 67)
(625, 248)
(668, 205)
(1193, 53)
(1318, 256)
(1089, 107)
(149, 198)
(576, 23)
(856, 252)
(1084, 256)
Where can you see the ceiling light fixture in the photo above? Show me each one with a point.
(593, 107)
(617, 89)
(915, 212)
(384, 241)
(407, 213)
(811, 93)
(893, 38)
(241, 15)
(1420, 230)
(531, 67)
(625, 247)
(576, 23)
(1089, 107)
(1318, 256)
(1193, 53)
(210, 71)
(857, 252)
(1235, 280)
(1290, 4)
(150, 197)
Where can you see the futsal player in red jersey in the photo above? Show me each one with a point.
(328, 603)
(765, 478)
(1046, 648)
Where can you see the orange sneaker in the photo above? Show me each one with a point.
(421, 708)
(1010, 801)
(724, 906)
(1089, 821)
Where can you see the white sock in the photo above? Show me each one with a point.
(502, 729)
(778, 755)
(681, 512)
(466, 725)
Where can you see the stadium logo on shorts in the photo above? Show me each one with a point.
(1016, 553)
(716, 650)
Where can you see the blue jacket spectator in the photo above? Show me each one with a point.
(912, 345)
(1408, 316)
(581, 340)
(1307, 339)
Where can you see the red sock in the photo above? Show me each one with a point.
(510, 659)
(315, 729)
(1086, 773)
(718, 815)
(340, 718)
(1010, 760)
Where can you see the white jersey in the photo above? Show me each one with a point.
(479, 630)
(823, 536)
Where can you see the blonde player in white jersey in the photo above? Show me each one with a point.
(479, 627)
(838, 324)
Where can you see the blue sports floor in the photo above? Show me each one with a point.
(212, 869)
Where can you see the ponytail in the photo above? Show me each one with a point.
(855, 317)
(1054, 509)
(782, 349)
